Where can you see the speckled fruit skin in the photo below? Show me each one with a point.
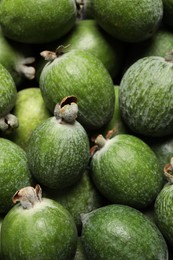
(45, 231)
(8, 91)
(81, 74)
(14, 172)
(82, 197)
(125, 170)
(130, 21)
(145, 96)
(58, 153)
(87, 35)
(163, 210)
(121, 232)
(36, 21)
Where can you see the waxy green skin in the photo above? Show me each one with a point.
(145, 97)
(120, 232)
(45, 231)
(58, 153)
(30, 111)
(82, 197)
(14, 172)
(163, 211)
(36, 21)
(81, 74)
(126, 170)
(131, 21)
(8, 91)
(87, 35)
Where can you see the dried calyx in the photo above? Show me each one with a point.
(169, 56)
(25, 68)
(28, 196)
(67, 110)
(8, 123)
(52, 55)
(168, 171)
(100, 140)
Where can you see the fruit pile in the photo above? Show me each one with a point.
(86, 130)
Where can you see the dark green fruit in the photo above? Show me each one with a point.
(161, 44)
(58, 149)
(16, 58)
(126, 171)
(120, 232)
(80, 252)
(145, 96)
(37, 228)
(168, 12)
(87, 35)
(128, 21)
(163, 210)
(8, 92)
(81, 74)
(14, 172)
(80, 198)
(36, 21)
(116, 123)
(163, 148)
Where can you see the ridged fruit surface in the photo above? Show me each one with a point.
(14, 172)
(8, 91)
(126, 171)
(163, 210)
(58, 153)
(145, 96)
(81, 74)
(121, 232)
(130, 21)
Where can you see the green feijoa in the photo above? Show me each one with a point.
(36, 21)
(44, 229)
(131, 21)
(14, 172)
(8, 91)
(125, 170)
(163, 207)
(82, 197)
(121, 232)
(145, 96)
(87, 35)
(163, 212)
(30, 111)
(81, 74)
(58, 150)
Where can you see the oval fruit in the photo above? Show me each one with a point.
(145, 96)
(28, 22)
(88, 36)
(82, 197)
(31, 111)
(81, 74)
(130, 22)
(8, 92)
(125, 170)
(14, 172)
(116, 123)
(44, 230)
(161, 44)
(58, 151)
(121, 232)
(163, 210)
